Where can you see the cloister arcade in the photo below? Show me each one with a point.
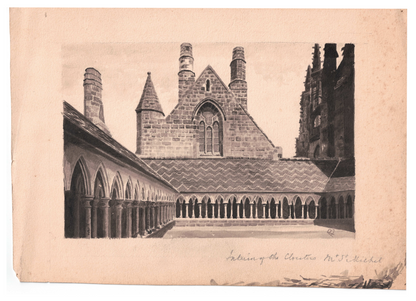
(113, 210)
(336, 205)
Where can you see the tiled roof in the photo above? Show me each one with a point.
(82, 128)
(245, 175)
(149, 100)
(340, 184)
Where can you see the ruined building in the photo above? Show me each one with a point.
(326, 127)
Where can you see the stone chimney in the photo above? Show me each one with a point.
(238, 84)
(186, 69)
(93, 104)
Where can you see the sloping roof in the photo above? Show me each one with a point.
(245, 175)
(79, 126)
(149, 100)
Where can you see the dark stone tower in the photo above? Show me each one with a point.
(186, 66)
(238, 84)
(327, 107)
(344, 104)
(148, 112)
(93, 104)
(326, 128)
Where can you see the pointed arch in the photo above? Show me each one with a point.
(74, 215)
(117, 186)
(211, 102)
(82, 164)
(128, 193)
(103, 174)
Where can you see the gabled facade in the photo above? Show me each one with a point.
(210, 120)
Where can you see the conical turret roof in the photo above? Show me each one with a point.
(149, 100)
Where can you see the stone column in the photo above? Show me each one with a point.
(86, 204)
(94, 213)
(119, 209)
(306, 209)
(328, 210)
(104, 206)
(264, 210)
(303, 211)
(136, 213)
(129, 219)
(353, 206)
(147, 209)
(336, 210)
(152, 217)
(157, 209)
(77, 210)
(316, 211)
(142, 220)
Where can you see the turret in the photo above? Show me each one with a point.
(186, 73)
(148, 110)
(238, 84)
(93, 104)
(316, 61)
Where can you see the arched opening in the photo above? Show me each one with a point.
(285, 208)
(241, 209)
(210, 123)
(190, 208)
(222, 209)
(97, 210)
(260, 208)
(349, 207)
(323, 208)
(234, 208)
(229, 209)
(312, 210)
(125, 213)
(298, 208)
(74, 209)
(209, 208)
(332, 209)
(178, 208)
(196, 208)
(272, 208)
(114, 195)
(247, 208)
(216, 209)
(203, 208)
(341, 207)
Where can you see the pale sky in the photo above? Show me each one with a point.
(275, 73)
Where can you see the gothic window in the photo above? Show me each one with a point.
(201, 137)
(210, 130)
(216, 137)
(209, 140)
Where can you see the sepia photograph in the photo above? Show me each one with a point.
(209, 147)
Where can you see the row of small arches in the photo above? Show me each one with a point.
(281, 209)
(118, 190)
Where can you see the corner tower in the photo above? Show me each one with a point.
(238, 84)
(148, 111)
(186, 75)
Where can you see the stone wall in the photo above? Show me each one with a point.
(176, 136)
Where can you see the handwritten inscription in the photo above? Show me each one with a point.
(238, 257)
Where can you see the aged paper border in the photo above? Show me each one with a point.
(34, 39)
